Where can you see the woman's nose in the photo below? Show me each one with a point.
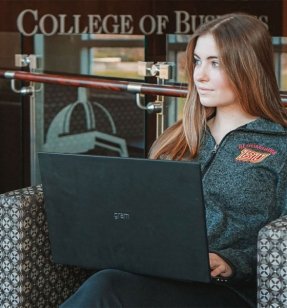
(201, 72)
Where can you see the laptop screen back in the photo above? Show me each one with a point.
(138, 215)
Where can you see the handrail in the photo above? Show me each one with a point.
(103, 84)
(91, 82)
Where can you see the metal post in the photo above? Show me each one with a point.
(31, 62)
(33, 145)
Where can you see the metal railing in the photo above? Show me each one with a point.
(103, 84)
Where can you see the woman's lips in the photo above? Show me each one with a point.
(204, 90)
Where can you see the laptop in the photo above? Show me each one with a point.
(138, 215)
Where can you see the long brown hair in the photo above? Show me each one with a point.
(246, 55)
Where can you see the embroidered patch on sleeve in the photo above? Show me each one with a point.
(253, 153)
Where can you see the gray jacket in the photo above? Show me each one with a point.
(245, 187)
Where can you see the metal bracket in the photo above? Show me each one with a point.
(29, 90)
(152, 107)
(162, 71)
(24, 90)
(32, 62)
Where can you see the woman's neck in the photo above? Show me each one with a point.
(225, 121)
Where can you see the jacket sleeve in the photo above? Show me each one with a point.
(242, 262)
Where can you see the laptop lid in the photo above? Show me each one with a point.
(139, 215)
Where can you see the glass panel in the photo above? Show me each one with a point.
(103, 55)
(117, 62)
(115, 55)
(89, 121)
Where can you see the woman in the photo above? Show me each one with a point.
(235, 126)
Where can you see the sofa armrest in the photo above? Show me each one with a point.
(272, 264)
(29, 278)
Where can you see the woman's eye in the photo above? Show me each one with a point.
(196, 61)
(215, 64)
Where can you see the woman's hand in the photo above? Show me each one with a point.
(218, 266)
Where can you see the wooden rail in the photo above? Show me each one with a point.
(97, 83)
(103, 84)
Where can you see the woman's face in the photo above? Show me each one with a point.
(210, 79)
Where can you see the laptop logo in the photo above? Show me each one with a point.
(121, 216)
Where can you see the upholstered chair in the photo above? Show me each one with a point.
(28, 276)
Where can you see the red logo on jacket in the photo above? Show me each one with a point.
(254, 153)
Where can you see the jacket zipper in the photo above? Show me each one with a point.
(213, 153)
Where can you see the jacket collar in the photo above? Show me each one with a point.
(265, 126)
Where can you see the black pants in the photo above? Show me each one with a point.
(114, 288)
